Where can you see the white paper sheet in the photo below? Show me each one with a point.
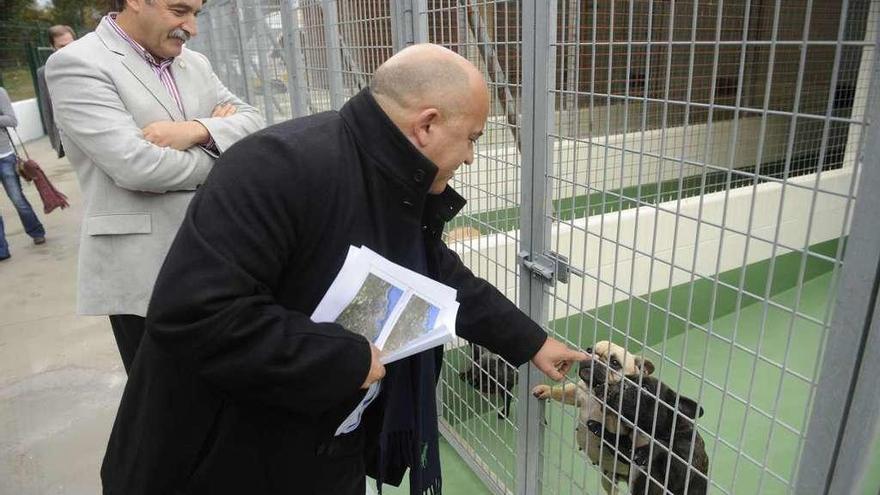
(400, 311)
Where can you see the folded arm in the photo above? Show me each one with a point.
(90, 112)
(227, 128)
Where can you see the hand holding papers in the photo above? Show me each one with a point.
(400, 311)
(397, 309)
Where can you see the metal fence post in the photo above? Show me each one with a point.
(845, 406)
(409, 23)
(208, 38)
(420, 21)
(224, 61)
(537, 81)
(250, 14)
(246, 94)
(232, 72)
(401, 24)
(334, 55)
(295, 63)
(863, 421)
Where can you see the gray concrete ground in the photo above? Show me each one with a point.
(60, 374)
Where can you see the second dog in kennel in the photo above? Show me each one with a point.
(491, 375)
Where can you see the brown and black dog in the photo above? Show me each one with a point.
(490, 374)
(609, 363)
(669, 418)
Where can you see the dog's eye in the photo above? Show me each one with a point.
(615, 363)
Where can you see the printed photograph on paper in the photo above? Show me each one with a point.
(371, 307)
(416, 320)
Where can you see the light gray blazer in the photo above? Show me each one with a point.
(135, 193)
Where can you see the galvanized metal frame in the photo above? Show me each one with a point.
(240, 39)
(859, 444)
(409, 23)
(251, 16)
(845, 410)
(334, 54)
(299, 99)
(538, 61)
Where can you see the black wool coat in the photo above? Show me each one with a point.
(234, 389)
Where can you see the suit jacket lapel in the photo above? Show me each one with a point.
(139, 68)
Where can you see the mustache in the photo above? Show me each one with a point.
(180, 34)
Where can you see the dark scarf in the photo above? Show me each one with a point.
(409, 436)
(405, 415)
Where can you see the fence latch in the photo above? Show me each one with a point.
(549, 267)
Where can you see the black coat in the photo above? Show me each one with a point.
(234, 389)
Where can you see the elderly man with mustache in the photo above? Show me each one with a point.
(142, 120)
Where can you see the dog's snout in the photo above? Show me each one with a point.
(585, 370)
(588, 350)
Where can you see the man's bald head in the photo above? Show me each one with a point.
(439, 101)
(427, 75)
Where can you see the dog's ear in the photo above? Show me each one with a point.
(686, 406)
(689, 407)
(645, 365)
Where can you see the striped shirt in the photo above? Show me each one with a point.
(162, 68)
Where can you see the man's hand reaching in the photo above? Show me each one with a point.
(555, 358)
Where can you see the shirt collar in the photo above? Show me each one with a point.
(383, 141)
(146, 55)
(380, 138)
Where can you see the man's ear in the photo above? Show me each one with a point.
(422, 130)
(645, 365)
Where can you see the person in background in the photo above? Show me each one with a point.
(59, 37)
(142, 119)
(11, 181)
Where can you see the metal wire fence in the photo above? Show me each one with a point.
(20, 56)
(686, 179)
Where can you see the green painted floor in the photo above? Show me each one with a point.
(732, 368)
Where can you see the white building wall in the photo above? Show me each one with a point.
(30, 125)
(628, 241)
(492, 182)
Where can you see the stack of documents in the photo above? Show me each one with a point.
(400, 311)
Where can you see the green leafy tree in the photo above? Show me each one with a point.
(18, 10)
(80, 14)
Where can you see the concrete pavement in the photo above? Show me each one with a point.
(60, 374)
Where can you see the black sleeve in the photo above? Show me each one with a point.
(214, 304)
(485, 316)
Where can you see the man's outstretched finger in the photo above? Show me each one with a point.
(554, 358)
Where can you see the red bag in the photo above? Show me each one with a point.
(30, 171)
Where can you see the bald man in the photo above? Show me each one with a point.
(234, 389)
